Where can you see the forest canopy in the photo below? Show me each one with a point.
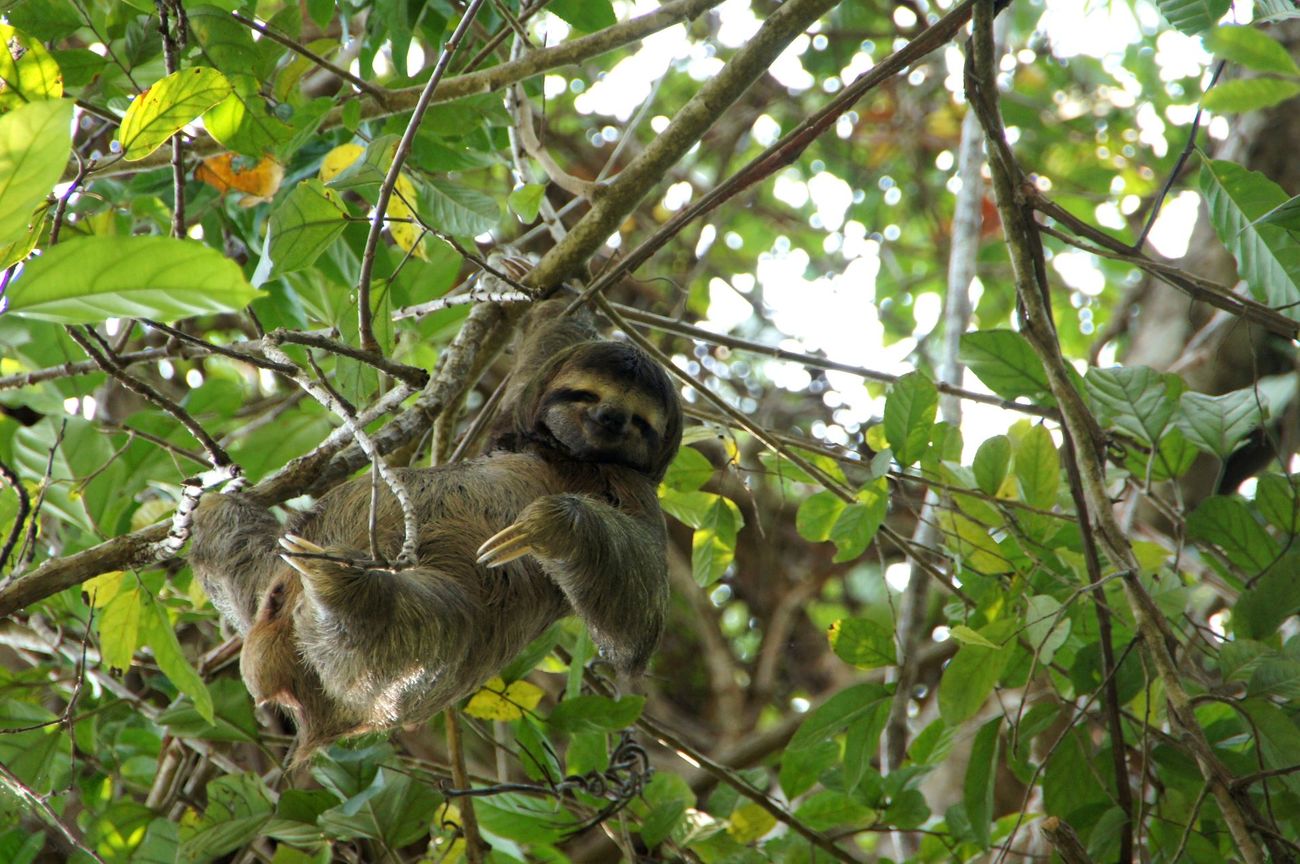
(982, 538)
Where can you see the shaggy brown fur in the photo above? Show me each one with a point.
(562, 518)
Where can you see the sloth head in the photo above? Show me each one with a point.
(605, 403)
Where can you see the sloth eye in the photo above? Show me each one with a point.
(578, 396)
(642, 425)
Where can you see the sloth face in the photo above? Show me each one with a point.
(597, 417)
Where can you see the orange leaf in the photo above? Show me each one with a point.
(259, 182)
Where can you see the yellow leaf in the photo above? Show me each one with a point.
(405, 234)
(496, 701)
(339, 159)
(749, 822)
(102, 588)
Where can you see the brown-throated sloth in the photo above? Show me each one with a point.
(564, 511)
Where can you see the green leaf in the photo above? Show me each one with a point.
(35, 143)
(713, 546)
(972, 543)
(689, 508)
(830, 808)
(523, 819)
(1276, 678)
(595, 714)
(863, 642)
(1005, 362)
(239, 805)
(233, 712)
(1278, 738)
(857, 524)
(817, 515)
(243, 121)
(1268, 257)
(168, 106)
(967, 636)
(1278, 502)
(302, 226)
(1218, 424)
(1275, 10)
(800, 768)
(1272, 598)
(981, 771)
(225, 42)
(1249, 94)
(526, 201)
(393, 810)
(689, 470)
(1285, 215)
(1133, 399)
(585, 15)
(1171, 458)
(119, 626)
(1251, 48)
(78, 65)
(1045, 627)
(910, 410)
(1193, 16)
(666, 801)
(160, 636)
(84, 280)
(1038, 467)
(1239, 658)
(969, 678)
(458, 209)
(991, 462)
(27, 71)
(1226, 522)
(836, 713)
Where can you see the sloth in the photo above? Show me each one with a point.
(561, 517)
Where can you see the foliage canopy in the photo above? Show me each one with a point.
(1047, 606)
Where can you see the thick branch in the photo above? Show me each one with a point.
(690, 123)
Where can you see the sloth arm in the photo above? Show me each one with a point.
(235, 554)
(611, 566)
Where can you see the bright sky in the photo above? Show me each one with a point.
(836, 314)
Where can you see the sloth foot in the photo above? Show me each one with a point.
(315, 562)
(505, 546)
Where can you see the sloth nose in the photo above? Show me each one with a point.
(612, 418)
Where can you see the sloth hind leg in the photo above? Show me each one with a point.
(377, 636)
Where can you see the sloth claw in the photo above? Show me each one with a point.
(505, 546)
(313, 561)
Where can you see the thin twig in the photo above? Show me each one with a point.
(323, 394)
(412, 375)
(108, 362)
(788, 148)
(9, 476)
(379, 94)
(459, 776)
(420, 310)
(38, 803)
(672, 325)
(366, 328)
(1188, 149)
(173, 39)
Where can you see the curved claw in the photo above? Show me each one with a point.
(313, 561)
(505, 546)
